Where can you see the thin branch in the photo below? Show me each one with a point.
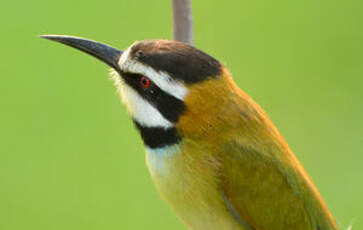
(183, 21)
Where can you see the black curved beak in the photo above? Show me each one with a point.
(103, 52)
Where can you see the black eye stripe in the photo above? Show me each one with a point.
(169, 106)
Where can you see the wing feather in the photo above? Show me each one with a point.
(257, 192)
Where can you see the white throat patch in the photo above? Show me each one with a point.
(158, 160)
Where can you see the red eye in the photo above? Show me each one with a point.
(145, 82)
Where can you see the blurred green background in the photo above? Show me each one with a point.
(69, 155)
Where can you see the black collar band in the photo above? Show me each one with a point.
(158, 137)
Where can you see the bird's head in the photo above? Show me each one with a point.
(171, 89)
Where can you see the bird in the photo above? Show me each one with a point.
(213, 153)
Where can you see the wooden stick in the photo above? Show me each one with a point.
(183, 21)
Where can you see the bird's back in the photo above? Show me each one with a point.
(262, 179)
